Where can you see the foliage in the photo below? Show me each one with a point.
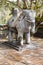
(37, 5)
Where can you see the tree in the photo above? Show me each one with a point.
(17, 2)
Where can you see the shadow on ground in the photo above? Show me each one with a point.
(39, 33)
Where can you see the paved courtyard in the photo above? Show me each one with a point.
(10, 56)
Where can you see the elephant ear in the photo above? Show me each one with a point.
(32, 13)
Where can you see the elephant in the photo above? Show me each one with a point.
(24, 23)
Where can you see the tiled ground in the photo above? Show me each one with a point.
(9, 56)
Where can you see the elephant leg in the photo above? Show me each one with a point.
(28, 39)
(21, 41)
(10, 38)
(20, 37)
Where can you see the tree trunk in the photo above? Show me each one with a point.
(18, 2)
(25, 6)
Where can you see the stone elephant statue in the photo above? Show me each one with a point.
(24, 23)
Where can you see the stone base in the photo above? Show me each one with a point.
(13, 45)
(16, 45)
(31, 46)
